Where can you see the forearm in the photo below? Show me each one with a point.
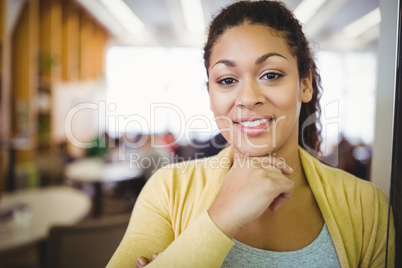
(153, 230)
(202, 244)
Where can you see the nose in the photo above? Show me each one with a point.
(249, 95)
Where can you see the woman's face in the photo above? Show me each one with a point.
(255, 90)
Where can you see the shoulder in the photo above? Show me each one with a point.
(196, 173)
(338, 184)
(187, 187)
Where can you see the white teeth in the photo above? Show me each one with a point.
(253, 123)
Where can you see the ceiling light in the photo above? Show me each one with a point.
(306, 9)
(125, 15)
(363, 24)
(194, 16)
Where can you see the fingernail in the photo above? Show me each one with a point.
(141, 261)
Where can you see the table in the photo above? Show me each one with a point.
(96, 171)
(47, 206)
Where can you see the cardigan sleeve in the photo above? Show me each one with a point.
(201, 244)
(376, 238)
(391, 241)
(384, 235)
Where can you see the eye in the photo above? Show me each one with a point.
(227, 81)
(271, 75)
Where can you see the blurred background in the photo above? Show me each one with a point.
(95, 95)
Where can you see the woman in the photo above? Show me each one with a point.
(264, 200)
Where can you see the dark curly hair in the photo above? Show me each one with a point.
(277, 16)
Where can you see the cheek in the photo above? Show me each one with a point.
(220, 104)
(285, 101)
(287, 106)
(221, 107)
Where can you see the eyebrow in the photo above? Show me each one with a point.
(231, 63)
(266, 56)
(228, 63)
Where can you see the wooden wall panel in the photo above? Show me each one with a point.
(50, 33)
(100, 52)
(85, 57)
(2, 19)
(80, 27)
(3, 136)
(23, 79)
(70, 41)
(49, 64)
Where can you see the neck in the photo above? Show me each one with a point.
(290, 154)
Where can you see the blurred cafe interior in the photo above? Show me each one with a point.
(95, 95)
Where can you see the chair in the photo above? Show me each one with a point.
(87, 244)
(50, 167)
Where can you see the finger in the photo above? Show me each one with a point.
(285, 168)
(281, 164)
(277, 202)
(141, 262)
(154, 256)
(287, 190)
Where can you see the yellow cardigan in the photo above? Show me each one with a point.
(170, 216)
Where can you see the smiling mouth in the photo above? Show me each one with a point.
(254, 127)
(255, 123)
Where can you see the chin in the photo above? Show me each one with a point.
(254, 146)
(255, 150)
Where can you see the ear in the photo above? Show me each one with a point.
(307, 88)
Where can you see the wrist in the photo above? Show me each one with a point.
(225, 222)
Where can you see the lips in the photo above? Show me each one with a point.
(254, 126)
(254, 123)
